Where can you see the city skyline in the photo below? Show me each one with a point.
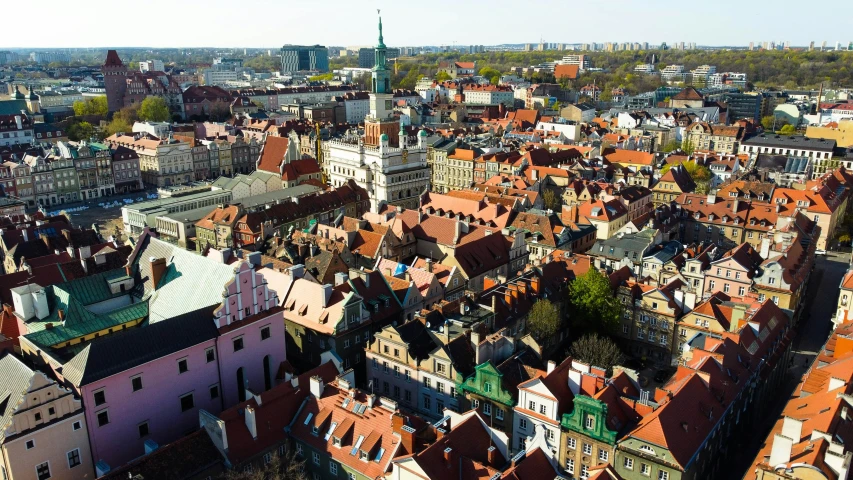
(350, 27)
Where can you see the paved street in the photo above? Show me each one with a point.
(812, 332)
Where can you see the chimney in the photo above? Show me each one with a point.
(508, 298)
(440, 433)
(25, 235)
(449, 456)
(316, 386)
(780, 452)
(327, 294)
(429, 265)
(735, 204)
(341, 278)
(765, 247)
(551, 366)
(251, 424)
(254, 258)
(407, 439)
(371, 400)
(458, 232)
(535, 285)
(61, 314)
(158, 268)
(492, 455)
(712, 198)
(792, 428)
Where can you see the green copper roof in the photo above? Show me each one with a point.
(81, 301)
(381, 41)
(585, 406)
(486, 381)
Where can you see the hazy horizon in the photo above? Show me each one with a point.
(440, 22)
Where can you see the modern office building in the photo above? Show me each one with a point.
(367, 56)
(299, 58)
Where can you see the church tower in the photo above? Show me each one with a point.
(380, 120)
(115, 81)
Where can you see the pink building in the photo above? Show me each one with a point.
(732, 274)
(146, 348)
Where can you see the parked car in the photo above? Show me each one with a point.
(820, 252)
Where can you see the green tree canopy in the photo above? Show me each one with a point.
(700, 174)
(153, 109)
(592, 305)
(767, 122)
(278, 468)
(671, 146)
(80, 131)
(443, 77)
(91, 106)
(788, 130)
(118, 125)
(325, 77)
(597, 350)
(543, 321)
(551, 200)
(489, 72)
(687, 147)
(128, 115)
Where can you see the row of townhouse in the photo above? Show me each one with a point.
(71, 172)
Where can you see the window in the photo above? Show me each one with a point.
(103, 418)
(187, 402)
(265, 333)
(487, 409)
(427, 383)
(629, 463)
(427, 402)
(531, 405)
(587, 449)
(100, 397)
(499, 414)
(238, 344)
(76, 426)
(645, 469)
(570, 465)
(542, 409)
(299, 449)
(741, 291)
(136, 383)
(315, 457)
(267, 458)
(183, 366)
(333, 468)
(214, 391)
(487, 387)
(775, 299)
(522, 424)
(43, 471)
(590, 422)
(73, 458)
(603, 455)
(397, 371)
(142, 428)
(663, 475)
(572, 443)
(30, 444)
(584, 471)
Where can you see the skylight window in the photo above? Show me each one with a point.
(357, 445)
(331, 429)
(308, 418)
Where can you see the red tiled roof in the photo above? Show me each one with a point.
(566, 71)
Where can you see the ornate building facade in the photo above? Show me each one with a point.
(385, 161)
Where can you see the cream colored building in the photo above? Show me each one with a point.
(43, 433)
(162, 162)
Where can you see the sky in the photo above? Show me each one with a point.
(263, 23)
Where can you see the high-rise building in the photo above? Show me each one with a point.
(811, 45)
(367, 56)
(299, 58)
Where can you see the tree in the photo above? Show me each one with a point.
(788, 130)
(118, 125)
(700, 174)
(91, 106)
(442, 77)
(768, 122)
(592, 306)
(551, 200)
(128, 115)
(287, 468)
(80, 131)
(362, 81)
(543, 321)
(597, 350)
(219, 112)
(687, 147)
(133, 66)
(322, 77)
(489, 72)
(153, 109)
(671, 146)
